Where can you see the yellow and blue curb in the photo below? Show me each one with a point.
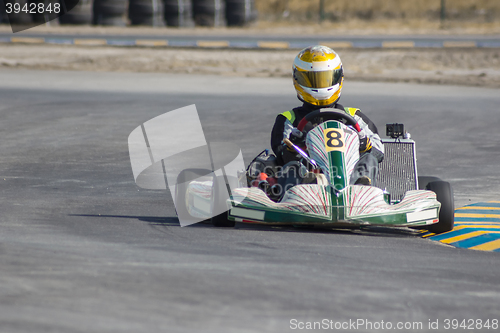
(250, 44)
(477, 227)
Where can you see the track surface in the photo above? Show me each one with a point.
(82, 249)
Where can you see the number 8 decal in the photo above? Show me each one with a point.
(334, 139)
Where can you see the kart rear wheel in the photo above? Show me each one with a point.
(444, 194)
(219, 197)
(423, 181)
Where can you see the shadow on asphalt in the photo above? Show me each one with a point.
(360, 231)
(171, 221)
(153, 220)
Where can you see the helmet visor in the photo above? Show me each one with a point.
(320, 79)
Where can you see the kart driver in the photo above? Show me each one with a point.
(318, 77)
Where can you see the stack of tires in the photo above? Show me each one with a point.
(43, 16)
(240, 12)
(3, 15)
(19, 18)
(81, 13)
(109, 12)
(178, 13)
(208, 13)
(146, 12)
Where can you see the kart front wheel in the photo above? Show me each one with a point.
(221, 220)
(444, 194)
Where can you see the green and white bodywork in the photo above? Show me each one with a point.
(332, 201)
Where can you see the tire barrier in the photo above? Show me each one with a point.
(80, 14)
(19, 18)
(146, 12)
(174, 13)
(178, 13)
(240, 12)
(49, 17)
(109, 12)
(208, 13)
(3, 15)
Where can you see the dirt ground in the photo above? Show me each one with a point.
(462, 66)
(475, 67)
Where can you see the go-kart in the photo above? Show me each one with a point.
(323, 195)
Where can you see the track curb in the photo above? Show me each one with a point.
(242, 44)
(477, 227)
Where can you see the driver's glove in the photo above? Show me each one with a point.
(365, 144)
(296, 136)
(296, 132)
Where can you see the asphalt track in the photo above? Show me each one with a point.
(83, 249)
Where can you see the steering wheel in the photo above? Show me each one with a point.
(329, 114)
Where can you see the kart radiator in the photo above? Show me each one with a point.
(398, 171)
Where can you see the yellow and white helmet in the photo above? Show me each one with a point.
(318, 75)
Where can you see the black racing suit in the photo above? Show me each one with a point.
(368, 161)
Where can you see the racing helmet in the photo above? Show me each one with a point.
(318, 75)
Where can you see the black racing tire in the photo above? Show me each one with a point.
(76, 18)
(444, 194)
(236, 20)
(172, 21)
(205, 12)
(423, 181)
(219, 197)
(47, 16)
(109, 12)
(145, 7)
(181, 188)
(221, 221)
(17, 18)
(177, 13)
(140, 9)
(204, 20)
(171, 11)
(81, 13)
(3, 14)
(171, 6)
(238, 12)
(110, 7)
(204, 6)
(142, 20)
(20, 18)
(142, 12)
(107, 20)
